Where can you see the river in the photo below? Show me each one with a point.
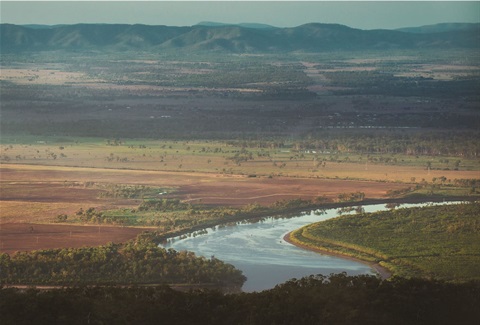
(266, 259)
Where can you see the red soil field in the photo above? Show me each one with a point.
(28, 237)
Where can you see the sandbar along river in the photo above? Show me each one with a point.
(258, 249)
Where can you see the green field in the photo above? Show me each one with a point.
(441, 242)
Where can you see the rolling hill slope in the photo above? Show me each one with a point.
(312, 37)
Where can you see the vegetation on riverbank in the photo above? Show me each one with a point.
(440, 242)
(338, 299)
(135, 262)
(172, 215)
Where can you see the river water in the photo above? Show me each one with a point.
(258, 249)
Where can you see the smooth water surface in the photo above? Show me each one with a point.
(258, 249)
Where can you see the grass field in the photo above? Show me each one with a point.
(231, 158)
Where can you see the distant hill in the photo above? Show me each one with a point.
(442, 28)
(246, 25)
(243, 38)
(39, 26)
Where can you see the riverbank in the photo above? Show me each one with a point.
(383, 272)
(432, 241)
(162, 238)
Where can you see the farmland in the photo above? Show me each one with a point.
(224, 134)
(66, 190)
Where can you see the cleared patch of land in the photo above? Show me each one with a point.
(44, 77)
(75, 186)
(28, 236)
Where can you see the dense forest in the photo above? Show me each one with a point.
(338, 299)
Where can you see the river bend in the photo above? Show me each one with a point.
(266, 259)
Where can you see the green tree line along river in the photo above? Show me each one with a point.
(136, 262)
(441, 242)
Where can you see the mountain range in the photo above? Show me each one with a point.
(241, 38)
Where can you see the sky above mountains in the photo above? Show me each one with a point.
(357, 14)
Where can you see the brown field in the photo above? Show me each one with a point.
(26, 203)
(28, 237)
(66, 185)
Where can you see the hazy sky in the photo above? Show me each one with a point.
(358, 14)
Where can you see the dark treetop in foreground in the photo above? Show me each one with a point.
(339, 299)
